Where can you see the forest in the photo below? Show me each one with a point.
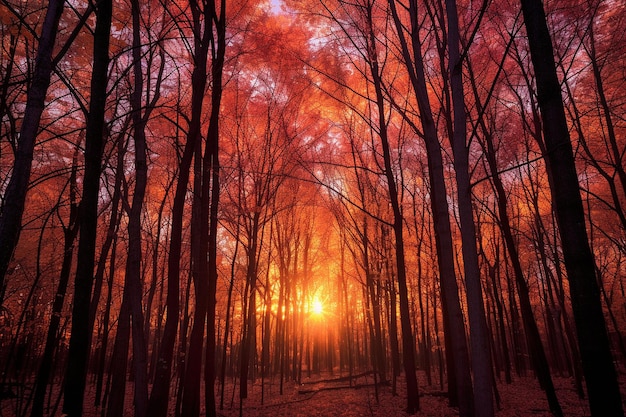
(312, 208)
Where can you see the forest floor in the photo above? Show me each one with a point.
(320, 397)
(331, 396)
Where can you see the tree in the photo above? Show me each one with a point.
(538, 355)
(459, 378)
(408, 342)
(205, 206)
(480, 352)
(133, 286)
(15, 194)
(598, 368)
(69, 234)
(80, 339)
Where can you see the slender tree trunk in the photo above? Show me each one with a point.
(213, 169)
(598, 368)
(157, 271)
(265, 332)
(119, 362)
(393, 334)
(479, 339)
(199, 270)
(159, 397)
(408, 342)
(105, 328)
(497, 291)
(15, 194)
(134, 281)
(378, 357)
(249, 325)
(45, 369)
(80, 340)
(182, 348)
(423, 316)
(459, 377)
(228, 317)
(533, 338)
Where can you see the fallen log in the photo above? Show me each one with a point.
(335, 388)
(340, 379)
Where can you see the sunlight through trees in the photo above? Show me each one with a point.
(224, 207)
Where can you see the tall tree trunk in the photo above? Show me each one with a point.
(479, 338)
(15, 194)
(459, 377)
(158, 270)
(408, 342)
(533, 338)
(199, 248)
(133, 274)
(80, 340)
(45, 369)
(593, 341)
(249, 327)
(218, 19)
(204, 262)
(182, 348)
(378, 357)
(159, 397)
(228, 316)
(426, 345)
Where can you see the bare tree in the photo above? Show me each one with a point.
(479, 337)
(598, 368)
(80, 340)
(457, 356)
(15, 195)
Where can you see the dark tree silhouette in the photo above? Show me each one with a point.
(479, 334)
(459, 378)
(80, 340)
(593, 341)
(70, 231)
(15, 194)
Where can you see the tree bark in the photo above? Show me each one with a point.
(159, 397)
(408, 341)
(15, 194)
(479, 338)
(598, 368)
(45, 369)
(133, 274)
(218, 17)
(80, 339)
(459, 377)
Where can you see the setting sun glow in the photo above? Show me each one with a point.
(302, 240)
(317, 307)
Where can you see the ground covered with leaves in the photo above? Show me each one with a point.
(335, 395)
(322, 397)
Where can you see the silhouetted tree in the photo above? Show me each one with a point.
(80, 339)
(598, 368)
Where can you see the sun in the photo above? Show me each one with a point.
(317, 307)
